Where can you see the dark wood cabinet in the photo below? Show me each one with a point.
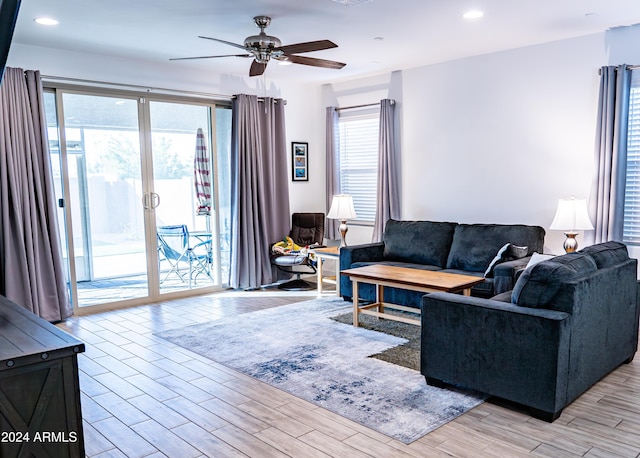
(40, 411)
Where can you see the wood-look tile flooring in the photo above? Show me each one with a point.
(145, 397)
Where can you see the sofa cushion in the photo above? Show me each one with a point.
(419, 242)
(502, 297)
(538, 284)
(607, 254)
(475, 245)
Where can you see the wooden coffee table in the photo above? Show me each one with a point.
(426, 281)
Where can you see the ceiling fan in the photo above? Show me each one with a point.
(263, 47)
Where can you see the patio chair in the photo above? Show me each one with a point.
(185, 261)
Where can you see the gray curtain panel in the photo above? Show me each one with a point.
(333, 170)
(606, 201)
(388, 194)
(260, 188)
(32, 272)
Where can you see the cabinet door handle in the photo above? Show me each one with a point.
(155, 200)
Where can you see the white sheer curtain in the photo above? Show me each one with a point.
(606, 201)
(260, 188)
(388, 194)
(333, 170)
(32, 272)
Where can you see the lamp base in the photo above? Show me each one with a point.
(570, 243)
(343, 232)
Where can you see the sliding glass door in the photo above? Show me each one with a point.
(128, 170)
(182, 166)
(104, 170)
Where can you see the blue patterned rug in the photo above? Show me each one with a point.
(299, 349)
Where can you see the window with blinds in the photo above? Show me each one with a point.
(358, 146)
(631, 233)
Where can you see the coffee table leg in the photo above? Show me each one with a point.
(356, 310)
(380, 298)
(466, 292)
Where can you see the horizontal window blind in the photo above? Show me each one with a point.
(359, 162)
(631, 232)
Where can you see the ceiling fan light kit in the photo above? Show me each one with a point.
(263, 48)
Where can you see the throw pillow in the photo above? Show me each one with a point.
(517, 252)
(495, 261)
(537, 257)
(508, 252)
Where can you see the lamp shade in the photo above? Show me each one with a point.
(342, 208)
(571, 215)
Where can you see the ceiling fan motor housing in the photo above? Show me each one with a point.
(263, 45)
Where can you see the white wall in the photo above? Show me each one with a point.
(514, 131)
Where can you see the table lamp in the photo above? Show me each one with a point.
(342, 209)
(571, 216)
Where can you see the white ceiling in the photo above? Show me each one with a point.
(413, 32)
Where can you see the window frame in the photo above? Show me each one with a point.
(631, 219)
(367, 151)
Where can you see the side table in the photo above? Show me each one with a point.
(332, 253)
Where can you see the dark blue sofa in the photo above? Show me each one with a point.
(568, 322)
(458, 248)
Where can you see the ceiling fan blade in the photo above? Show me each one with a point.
(312, 61)
(257, 68)
(307, 47)
(211, 57)
(225, 42)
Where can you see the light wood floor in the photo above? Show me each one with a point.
(145, 397)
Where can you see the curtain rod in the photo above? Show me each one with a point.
(134, 87)
(261, 99)
(631, 67)
(363, 106)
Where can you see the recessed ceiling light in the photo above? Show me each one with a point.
(352, 2)
(46, 21)
(474, 14)
(284, 62)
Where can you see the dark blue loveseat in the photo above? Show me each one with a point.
(568, 322)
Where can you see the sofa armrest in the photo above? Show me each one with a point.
(502, 349)
(505, 274)
(368, 252)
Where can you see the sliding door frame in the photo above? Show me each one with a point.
(146, 156)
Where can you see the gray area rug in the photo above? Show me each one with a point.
(298, 348)
(406, 354)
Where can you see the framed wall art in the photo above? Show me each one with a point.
(299, 161)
